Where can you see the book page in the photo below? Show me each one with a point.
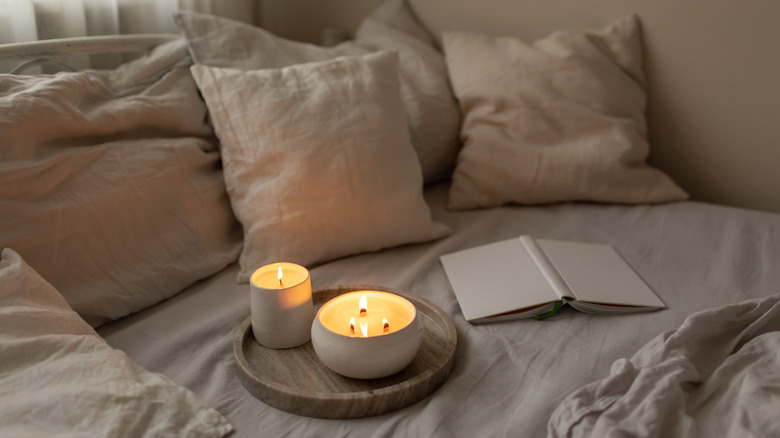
(596, 273)
(495, 279)
(549, 271)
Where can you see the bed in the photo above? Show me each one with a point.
(136, 203)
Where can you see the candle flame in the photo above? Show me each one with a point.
(385, 325)
(363, 305)
(352, 325)
(279, 276)
(364, 328)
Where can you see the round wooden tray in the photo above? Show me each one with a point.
(294, 380)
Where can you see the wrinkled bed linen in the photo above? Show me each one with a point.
(58, 378)
(717, 375)
(508, 377)
(111, 185)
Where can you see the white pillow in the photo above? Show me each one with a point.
(431, 109)
(561, 119)
(58, 377)
(433, 115)
(318, 164)
(110, 183)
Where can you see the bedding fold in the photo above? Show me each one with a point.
(59, 378)
(717, 375)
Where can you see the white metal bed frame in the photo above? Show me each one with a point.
(34, 53)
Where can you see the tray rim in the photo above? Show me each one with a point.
(426, 378)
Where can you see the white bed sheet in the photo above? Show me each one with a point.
(509, 376)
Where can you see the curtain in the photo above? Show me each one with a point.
(31, 20)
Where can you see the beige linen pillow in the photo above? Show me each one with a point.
(433, 115)
(431, 109)
(562, 119)
(58, 377)
(111, 185)
(318, 163)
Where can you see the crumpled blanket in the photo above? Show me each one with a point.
(716, 375)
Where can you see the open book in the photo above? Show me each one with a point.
(527, 277)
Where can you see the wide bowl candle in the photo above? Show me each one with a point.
(367, 334)
(282, 309)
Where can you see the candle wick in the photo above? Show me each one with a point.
(280, 283)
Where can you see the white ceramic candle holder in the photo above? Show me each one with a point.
(377, 342)
(282, 309)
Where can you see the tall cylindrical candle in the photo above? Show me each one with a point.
(282, 309)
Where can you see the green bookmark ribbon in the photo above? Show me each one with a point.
(556, 307)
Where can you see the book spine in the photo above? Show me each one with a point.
(547, 268)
